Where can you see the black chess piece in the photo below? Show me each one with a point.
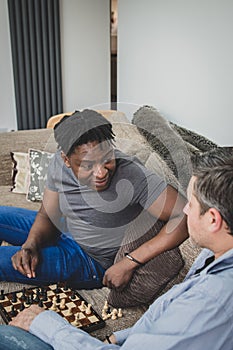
(37, 298)
(14, 297)
(73, 295)
(23, 296)
(28, 300)
(65, 287)
(2, 296)
(32, 298)
(22, 307)
(44, 296)
(13, 312)
(41, 304)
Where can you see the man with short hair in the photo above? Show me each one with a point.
(93, 193)
(194, 314)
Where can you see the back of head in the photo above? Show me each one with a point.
(80, 128)
(215, 157)
(213, 188)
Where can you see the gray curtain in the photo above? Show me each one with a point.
(36, 57)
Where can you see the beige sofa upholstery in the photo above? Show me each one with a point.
(129, 140)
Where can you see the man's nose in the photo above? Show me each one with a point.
(100, 171)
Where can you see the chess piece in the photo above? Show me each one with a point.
(88, 309)
(44, 296)
(13, 311)
(69, 313)
(28, 300)
(23, 296)
(105, 306)
(37, 298)
(104, 313)
(54, 305)
(73, 295)
(77, 320)
(114, 314)
(14, 297)
(2, 297)
(40, 304)
(63, 304)
(22, 307)
(119, 314)
(82, 306)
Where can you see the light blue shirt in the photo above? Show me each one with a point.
(195, 314)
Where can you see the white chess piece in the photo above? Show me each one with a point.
(88, 309)
(69, 313)
(54, 306)
(82, 307)
(63, 304)
(119, 314)
(114, 314)
(77, 322)
(105, 306)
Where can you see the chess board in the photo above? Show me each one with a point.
(50, 297)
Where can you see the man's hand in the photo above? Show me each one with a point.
(24, 319)
(119, 274)
(25, 261)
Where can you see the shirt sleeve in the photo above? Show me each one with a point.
(122, 335)
(56, 331)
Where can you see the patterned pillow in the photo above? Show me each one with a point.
(149, 280)
(38, 163)
(20, 170)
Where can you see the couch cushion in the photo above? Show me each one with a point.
(199, 142)
(38, 163)
(149, 280)
(130, 141)
(166, 141)
(10, 199)
(20, 172)
(21, 141)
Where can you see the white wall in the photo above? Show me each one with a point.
(7, 96)
(177, 56)
(85, 45)
(85, 40)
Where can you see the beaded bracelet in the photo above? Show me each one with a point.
(127, 255)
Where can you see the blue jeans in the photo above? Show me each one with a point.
(65, 261)
(14, 338)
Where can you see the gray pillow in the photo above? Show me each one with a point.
(165, 141)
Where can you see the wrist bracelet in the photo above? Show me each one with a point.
(108, 339)
(127, 255)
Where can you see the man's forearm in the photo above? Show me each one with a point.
(42, 233)
(173, 233)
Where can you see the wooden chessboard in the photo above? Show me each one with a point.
(52, 297)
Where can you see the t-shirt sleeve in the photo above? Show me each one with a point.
(150, 188)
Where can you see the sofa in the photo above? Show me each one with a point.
(159, 144)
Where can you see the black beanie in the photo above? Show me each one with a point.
(71, 128)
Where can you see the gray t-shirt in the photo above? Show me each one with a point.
(97, 220)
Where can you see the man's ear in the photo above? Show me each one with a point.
(215, 219)
(65, 159)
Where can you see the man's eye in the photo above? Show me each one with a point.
(86, 166)
(107, 160)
